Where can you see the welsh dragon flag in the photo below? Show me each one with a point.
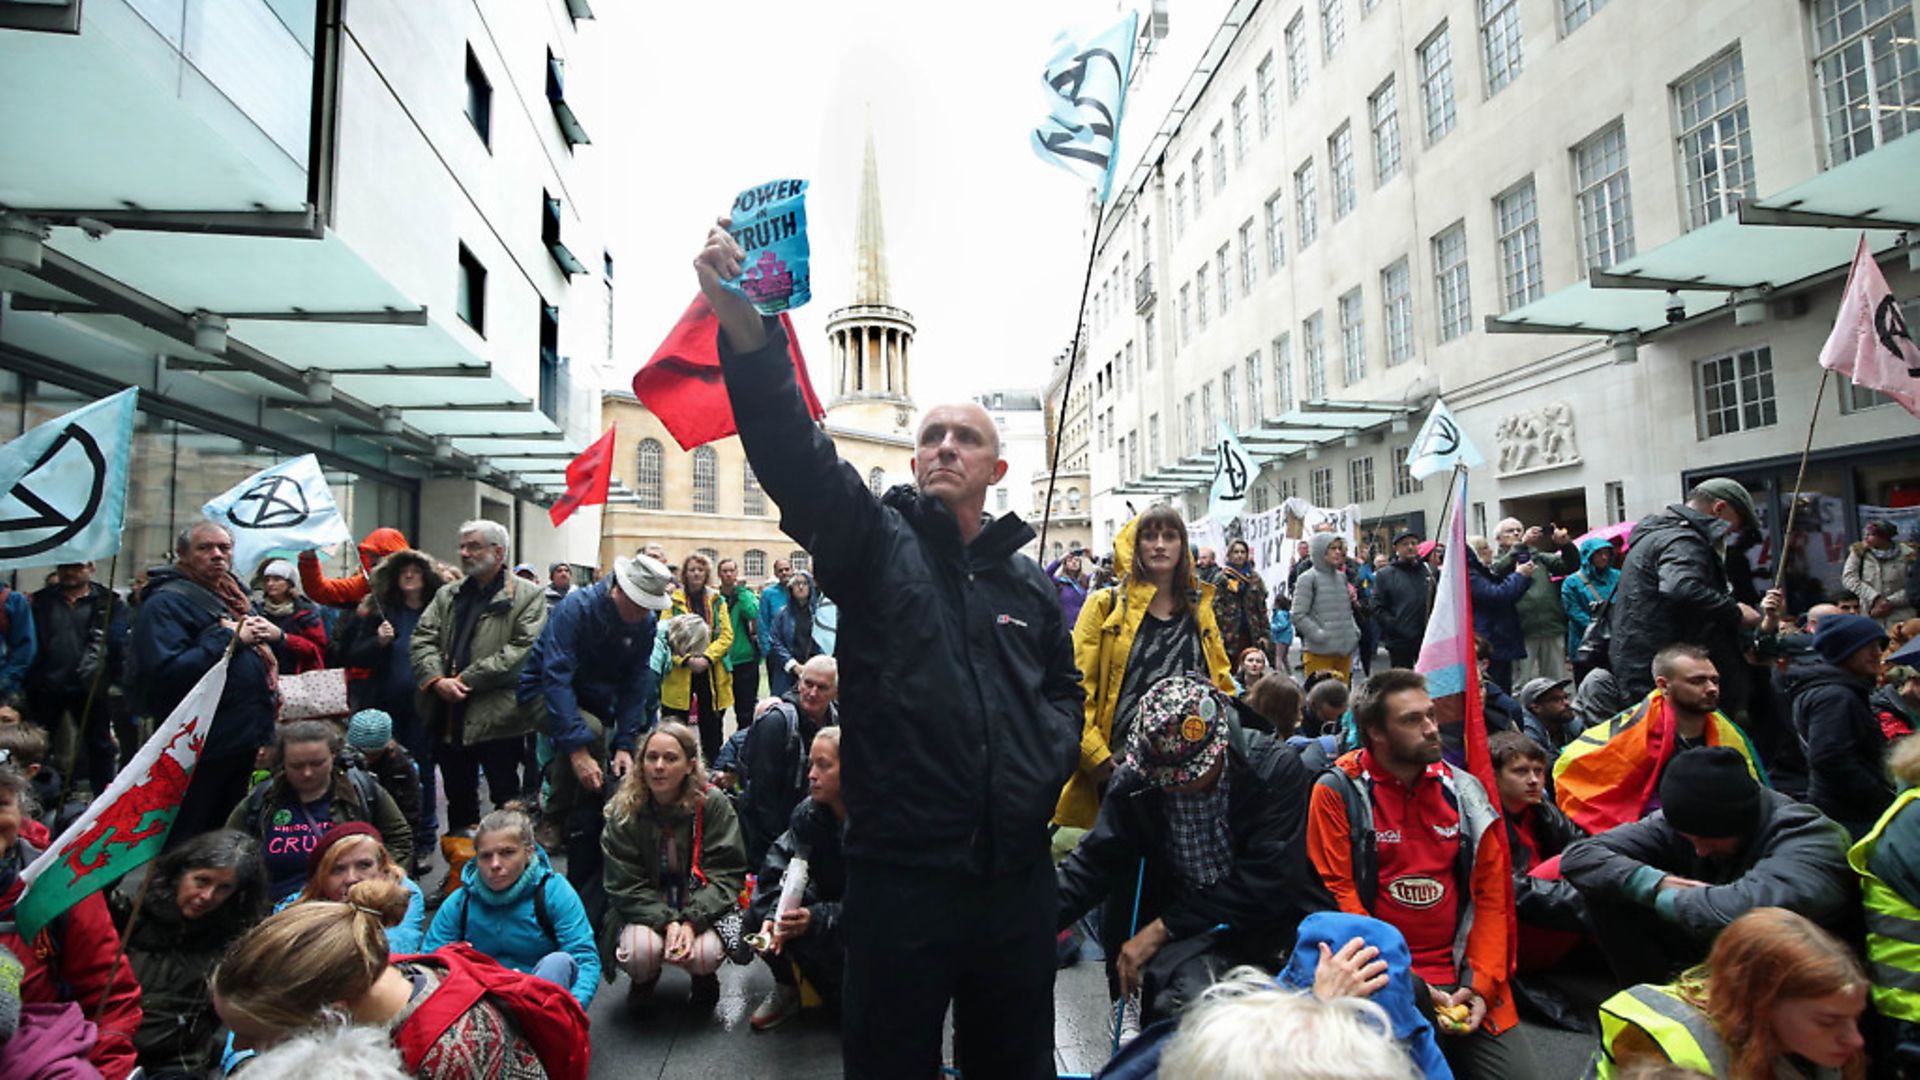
(128, 822)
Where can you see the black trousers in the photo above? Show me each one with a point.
(1404, 656)
(94, 756)
(1639, 945)
(823, 956)
(701, 715)
(460, 769)
(218, 784)
(746, 692)
(919, 939)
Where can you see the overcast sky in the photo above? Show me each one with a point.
(692, 102)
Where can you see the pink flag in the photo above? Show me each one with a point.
(1870, 343)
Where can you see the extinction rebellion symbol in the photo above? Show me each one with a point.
(65, 526)
(276, 502)
(1890, 326)
(1444, 441)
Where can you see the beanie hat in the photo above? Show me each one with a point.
(1710, 792)
(279, 568)
(11, 972)
(1840, 636)
(369, 729)
(1180, 731)
(1882, 528)
(336, 834)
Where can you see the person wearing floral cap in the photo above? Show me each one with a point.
(1203, 825)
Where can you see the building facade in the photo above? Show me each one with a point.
(707, 499)
(354, 236)
(1588, 225)
(1068, 436)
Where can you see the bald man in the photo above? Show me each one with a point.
(962, 709)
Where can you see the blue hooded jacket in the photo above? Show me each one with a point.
(1335, 929)
(780, 643)
(588, 659)
(1582, 592)
(504, 925)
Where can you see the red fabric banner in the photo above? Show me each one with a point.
(681, 382)
(587, 478)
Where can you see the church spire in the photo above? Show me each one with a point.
(870, 284)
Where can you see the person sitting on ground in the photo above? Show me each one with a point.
(1247, 1027)
(203, 895)
(1835, 720)
(302, 644)
(370, 744)
(1546, 715)
(342, 1052)
(1212, 816)
(312, 790)
(1273, 706)
(1887, 861)
(512, 907)
(1157, 622)
(1658, 890)
(1324, 727)
(24, 746)
(1399, 834)
(1778, 998)
(1552, 915)
(75, 958)
(303, 968)
(774, 758)
(350, 853)
(1610, 774)
(675, 865)
(1250, 665)
(1896, 704)
(807, 935)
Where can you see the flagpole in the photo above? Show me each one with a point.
(1066, 397)
(1793, 504)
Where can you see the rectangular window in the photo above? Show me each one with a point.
(1450, 282)
(1199, 182)
(1127, 379)
(1249, 259)
(1333, 26)
(1209, 419)
(1221, 280)
(1276, 234)
(1360, 479)
(1186, 308)
(1320, 482)
(1229, 399)
(1500, 41)
(1403, 481)
(1605, 203)
(1099, 431)
(1153, 441)
(1113, 429)
(1716, 148)
(1240, 129)
(1340, 164)
(1616, 499)
(1313, 346)
(1133, 455)
(1190, 419)
(1306, 205)
(1736, 392)
(1517, 222)
(1436, 84)
(1575, 13)
(1383, 115)
(554, 384)
(1200, 299)
(1263, 82)
(1283, 374)
(1218, 143)
(479, 99)
(1353, 337)
(1179, 206)
(1396, 309)
(1256, 395)
(1867, 59)
(1149, 335)
(470, 301)
(1297, 60)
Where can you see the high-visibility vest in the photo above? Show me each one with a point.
(1893, 928)
(1683, 1033)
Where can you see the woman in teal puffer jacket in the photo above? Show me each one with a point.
(1582, 593)
(514, 908)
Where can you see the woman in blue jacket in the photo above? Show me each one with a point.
(790, 638)
(515, 909)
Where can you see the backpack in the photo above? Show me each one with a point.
(547, 1015)
(540, 913)
(1596, 644)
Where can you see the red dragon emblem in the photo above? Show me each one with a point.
(143, 812)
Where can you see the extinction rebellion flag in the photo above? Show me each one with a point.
(63, 486)
(128, 823)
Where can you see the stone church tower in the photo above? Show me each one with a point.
(872, 339)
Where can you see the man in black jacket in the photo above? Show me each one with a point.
(963, 713)
(76, 659)
(1659, 889)
(1836, 723)
(774, 758)
(1215, 817)
(1400, 594)
(1673, 587)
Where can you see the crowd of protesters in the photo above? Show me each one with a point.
(1701, 803)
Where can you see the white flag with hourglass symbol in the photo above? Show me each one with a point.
(285, 508)
(1441, 445)
(1233, 472)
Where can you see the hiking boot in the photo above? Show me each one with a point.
(705, 993)
(640, 995)
(547, 834)
(779, 1007)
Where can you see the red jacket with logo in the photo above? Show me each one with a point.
(1390, 887)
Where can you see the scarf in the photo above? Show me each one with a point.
(227, 589)
(1197, 835)
(276, 610)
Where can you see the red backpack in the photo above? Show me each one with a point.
(546, 1013)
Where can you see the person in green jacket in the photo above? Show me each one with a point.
(1543, 619)
(675, 866)
(743, 659)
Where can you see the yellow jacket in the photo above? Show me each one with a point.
(1102, 643)
(676, 690)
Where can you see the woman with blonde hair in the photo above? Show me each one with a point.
(1158, 620)
(350, 853)
(1779, 998)
(675, 865)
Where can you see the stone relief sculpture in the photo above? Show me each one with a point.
(1539, 439)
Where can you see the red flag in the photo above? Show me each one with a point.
(1870, 342)
(681, 382)
(587, 479)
